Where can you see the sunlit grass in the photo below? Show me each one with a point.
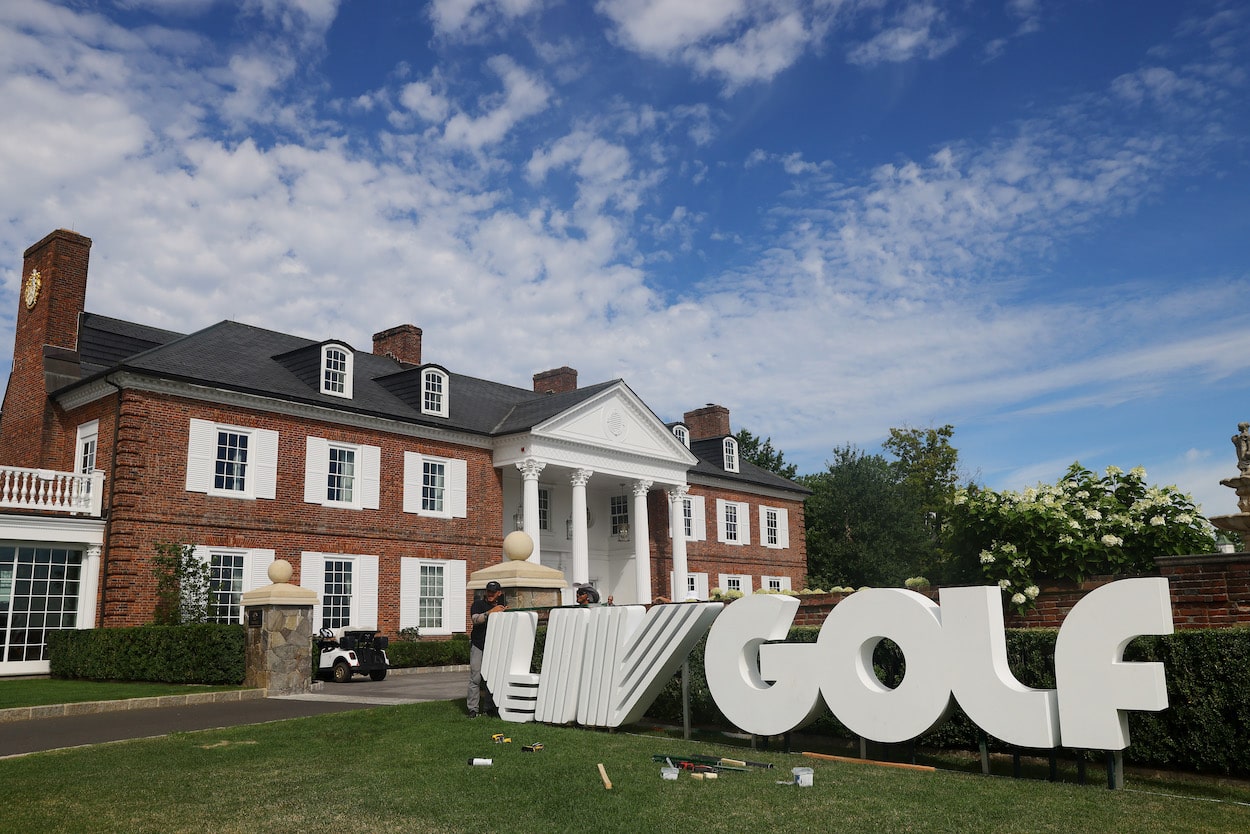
(35, 692)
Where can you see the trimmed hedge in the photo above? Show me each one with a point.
(409, 653)
(1205, 729)
(205, 653)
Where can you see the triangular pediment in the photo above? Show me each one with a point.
(616, 419)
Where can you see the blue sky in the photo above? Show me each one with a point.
(1025, 218)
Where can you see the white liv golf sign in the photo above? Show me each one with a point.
(603, 667)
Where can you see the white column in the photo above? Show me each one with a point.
(642, 542)
(677, 528)
(581, 541)
(89, 587)
(530, 470)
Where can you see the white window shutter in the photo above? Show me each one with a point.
(409, 591)
(763, 516)
(256, 569)
(457, 495)
(744, 523)
(722, 581)
(203, 554)
(370, 476)
(201, 454)
(720, 520)
(316, 467)
(700, 585)
(454, 592)
(365, 592)
(747, 586)
(412, 482)
(783, 528)
(698, 519)
(265, 468)
(312, 575)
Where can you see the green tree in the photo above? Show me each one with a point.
(928, 465)
(762, 454)
(182, 585)
(864, 526)
(1084, 525)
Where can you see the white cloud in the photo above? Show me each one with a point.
(420, 98)
(468, 18)
(920, 30)
(524, 95)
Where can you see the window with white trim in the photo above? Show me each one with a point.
(347, 587)
(733, 522)
(435, 486)
(434, 392)
(774, 527)
(342, 474)
(232, 573)
(619, 512)
(683, 434)
(739, 582)
(85, 446)
(775, 583)
(696, 587)
(232, 461)
(731, 454)
(544, 508)
(432, 595)
(336, 371)
(694, 522)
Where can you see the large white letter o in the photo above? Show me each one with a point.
(850, 686)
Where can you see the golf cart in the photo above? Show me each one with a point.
(351, 651)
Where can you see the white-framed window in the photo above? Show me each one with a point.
(618, 506)
(731, 455)
(774, 527)
(435, 486)
(432, 595)
(232, 573)
(346, 585)
(342, 474)
(696, 587)
(683, 434)
(85, 446)
(544, 508)
(733, 522)
(232, 461)
(740, 582)
(434, 399)
(693, 518)
(775, 583)
(336, 371)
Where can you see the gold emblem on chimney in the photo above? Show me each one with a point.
(33, 283)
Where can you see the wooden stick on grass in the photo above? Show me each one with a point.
(603, 774)
(828, 758)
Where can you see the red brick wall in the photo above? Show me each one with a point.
(151, 504)
(713, 557)
(1211, 591)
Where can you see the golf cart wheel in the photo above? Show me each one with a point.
(342, 672)
(377, 675)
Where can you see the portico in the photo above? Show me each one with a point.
(579, 479)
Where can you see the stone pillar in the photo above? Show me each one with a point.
(530, 470)
(677, 528)
(581, 539)
(90, 588)
(642, 542)
(278, 618)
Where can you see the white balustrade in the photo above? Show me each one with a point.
(45, 489)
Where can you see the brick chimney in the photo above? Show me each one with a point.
(51, 298)
(402, 343)
(707, 422)
(555, 381)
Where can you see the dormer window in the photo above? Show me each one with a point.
(731, 455)
(336, 371)
(683, 434)
(434, 392)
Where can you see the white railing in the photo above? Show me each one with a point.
(45, 489)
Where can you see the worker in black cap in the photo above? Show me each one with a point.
(587, 595)
(491, 602)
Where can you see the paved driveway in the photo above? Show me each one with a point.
(39, 734)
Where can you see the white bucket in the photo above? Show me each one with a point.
(669, 773)
(802, 776)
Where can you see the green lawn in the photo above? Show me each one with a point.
(404, 769)
(35, 692)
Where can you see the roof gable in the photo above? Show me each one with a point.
(616, 418)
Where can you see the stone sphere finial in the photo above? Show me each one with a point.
(518, 545)
(280, 572)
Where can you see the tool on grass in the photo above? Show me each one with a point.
(532, 748)
(826, 757)
(693, 763)
(500, 738)
(603, 774)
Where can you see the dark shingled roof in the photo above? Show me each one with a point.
(711, 455)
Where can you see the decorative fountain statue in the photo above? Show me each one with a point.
(1240, 522)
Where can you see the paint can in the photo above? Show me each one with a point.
(802, 776)
(481, 762)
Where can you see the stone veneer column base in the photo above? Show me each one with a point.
(279, 648)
